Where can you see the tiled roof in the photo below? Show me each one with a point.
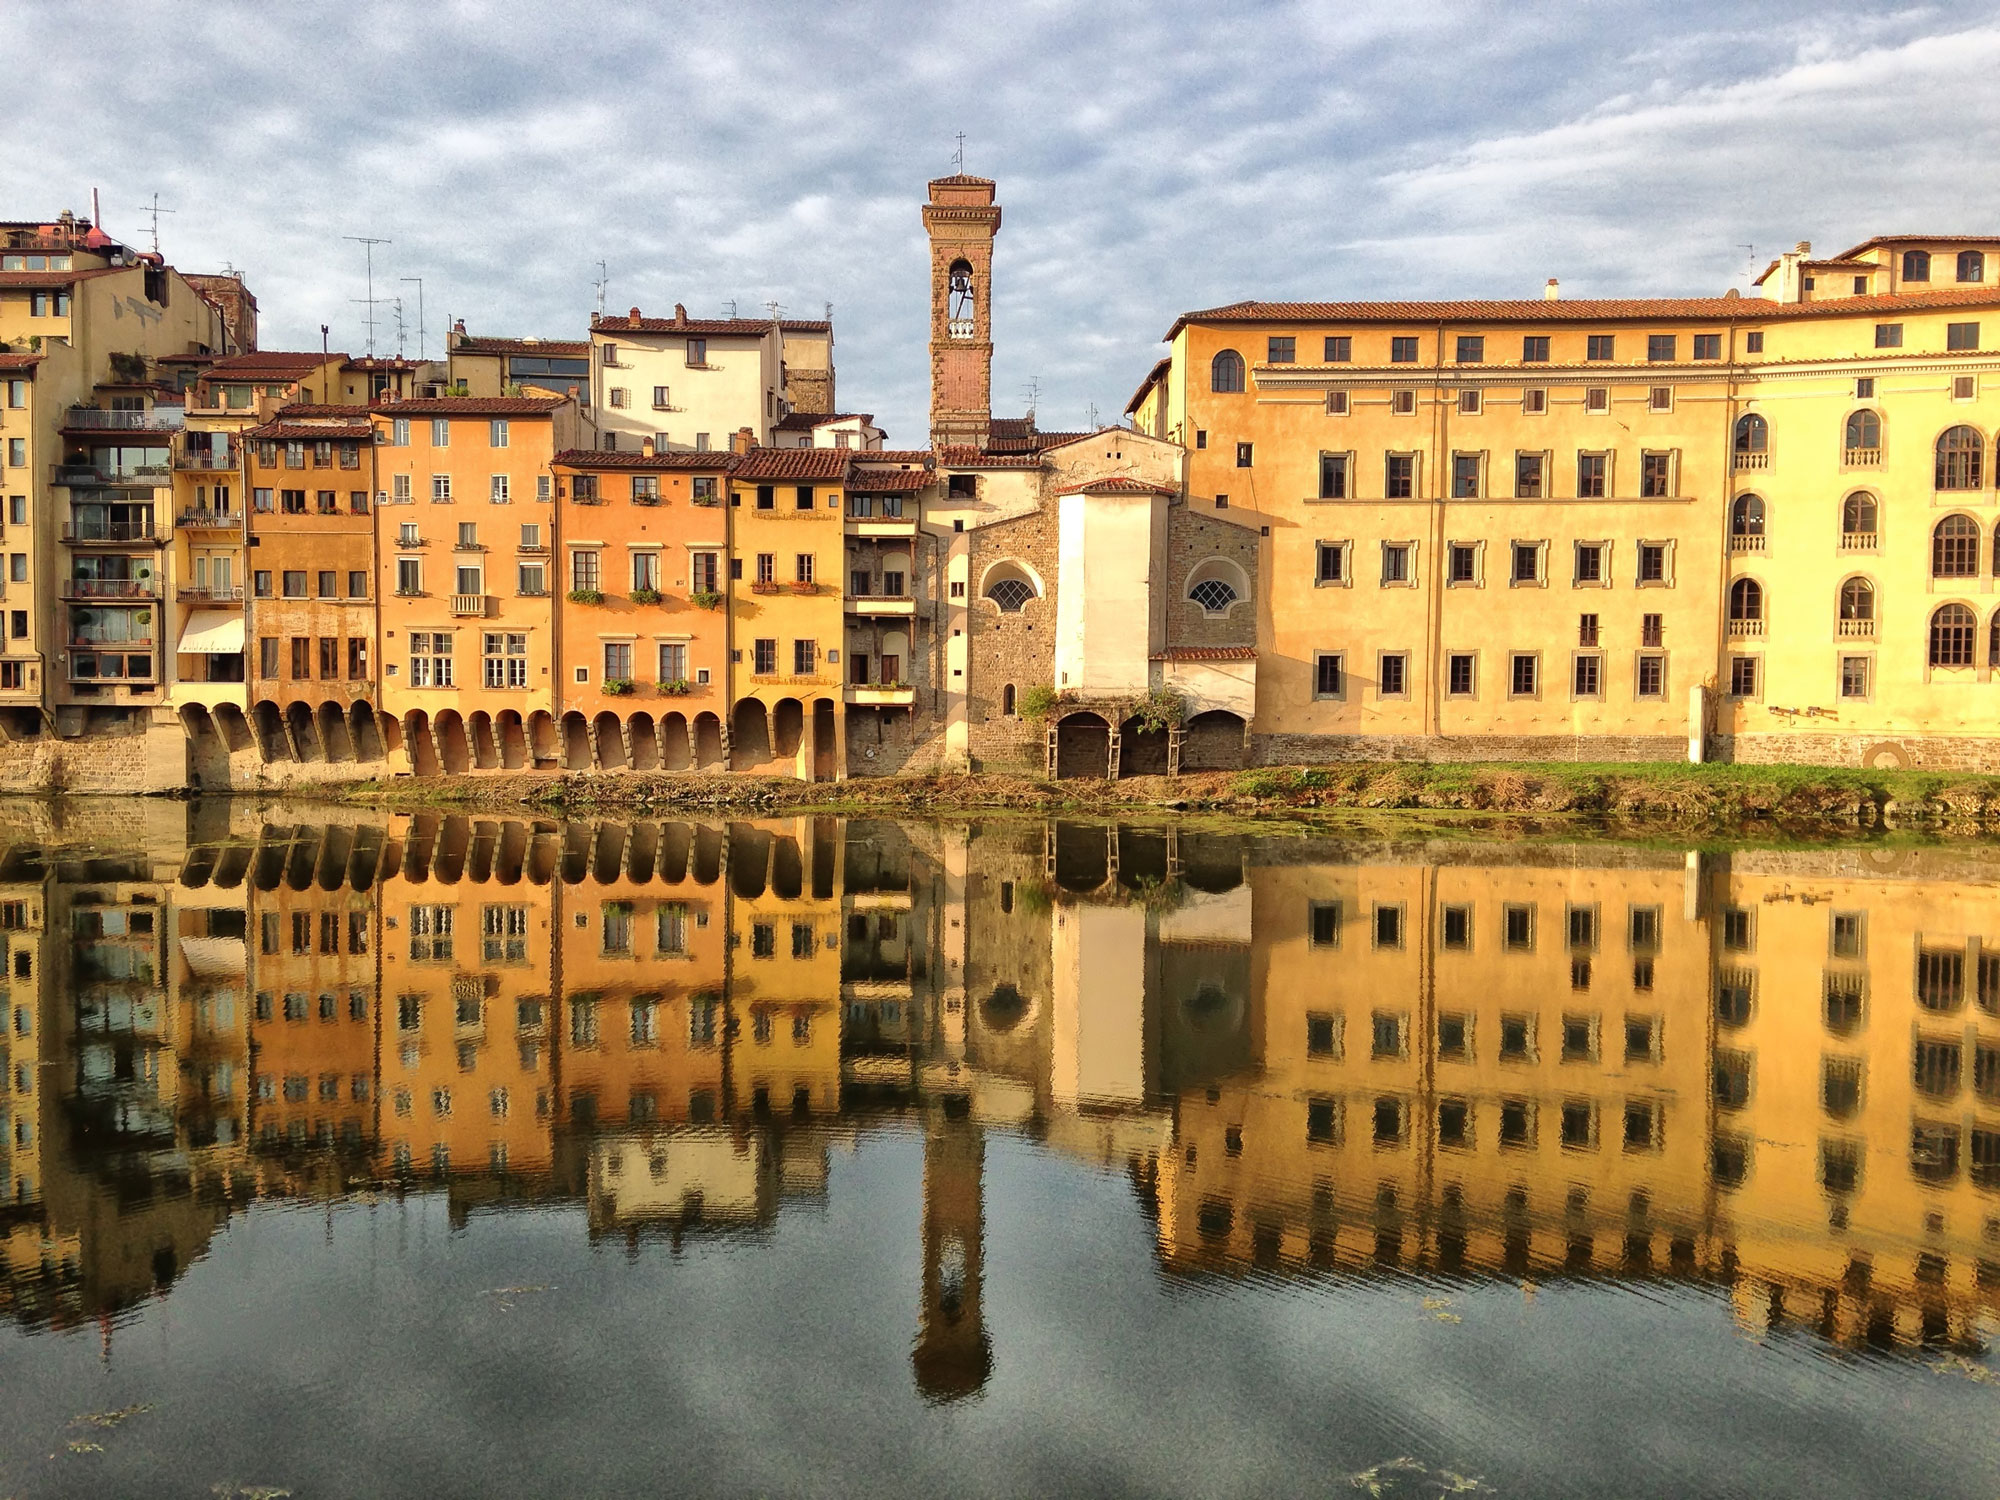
(960, 179)
(312, 432)
(268, 362)
(49, 280)
(19, 361)
(295, 410)
(922, 456)
(701, 327)
(1841, 264)
(889, 481)
(1153, 378)
(1581, 310)
(966, 456)
(560, 348)
(1920, 239)
(1206, 653)
(469, 406)
(380, 362)
(1116, 484)
(805, 421)
(718, 462)
(824, 465)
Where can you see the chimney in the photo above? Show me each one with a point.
(1553, 291)
(680, 316)
(633, 317)
(1789, 282)
(742, 441)
(645, 447)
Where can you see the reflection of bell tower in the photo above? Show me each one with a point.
(962, 220)
(952, 1357)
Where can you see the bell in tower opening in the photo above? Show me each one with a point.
(962, 318)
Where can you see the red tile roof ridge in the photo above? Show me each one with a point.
(823, 464)
(720, 460)
(469, 406)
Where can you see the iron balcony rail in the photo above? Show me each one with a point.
(109, 531)
(159, 419)
(108, 588)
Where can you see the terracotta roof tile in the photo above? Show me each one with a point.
(1206, 653)
(313, 432)
(50, 280)
(267, 363)
(922, 456)
(966, 456)
(19, 361)
(805, 421)
(296, 410)
(609, 323)
(1920, 239)
(718, 462)
(823, 465)
(469, 406)
(889, 481)
(557, 348)
(1582, 310)
(1117, 484)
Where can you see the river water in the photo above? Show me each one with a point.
(790, 1157)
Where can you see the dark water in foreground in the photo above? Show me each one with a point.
(809, 1157)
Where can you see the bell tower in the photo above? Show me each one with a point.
(961, 220)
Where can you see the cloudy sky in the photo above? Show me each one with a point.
(1151, 157)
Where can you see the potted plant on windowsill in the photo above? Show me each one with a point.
(617, 687)
(677, 687)
(585, 596)
(805, 588)
(705, 599)
(645, 596)
(766, 588)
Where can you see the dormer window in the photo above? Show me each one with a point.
(1916, 265)
(1971, 265)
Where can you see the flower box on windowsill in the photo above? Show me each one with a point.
(617, 687)
(705, 599)
(644, 596)
(805, 588)
(767, 588)
(678, 687)
(585, 596)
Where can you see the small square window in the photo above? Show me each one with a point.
(1753, 343)
(1961, 335)
(1743, 676)
(1660, 398)
(1393, 675)
(1856, 676)
(1864, 388)
(1888, 335)
(1461, 675)
(1396, 568)
(1403, 403)
(1597, 398)
(1523, 674)
(1243, 455)
(1403, 350)
(1471, 349)
(1534, 402)
(1708, 346)
(1329, 675)
(1339, 349)
(1281, 350)
(1526, 564)
(1462, 564)
(1468, 403)
(1661, 347)
(1331, 564)
(1601, 346)
(1336, 403)
(1535, 349)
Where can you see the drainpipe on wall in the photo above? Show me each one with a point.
(1434, 572)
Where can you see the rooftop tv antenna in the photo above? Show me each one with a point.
(603, 281)
(732, 307)
(155, 210)
(399, 325)
(1751, 252)
(1032, 394)
(420, 317)
(368, 244)
(958, 156)
(774, 308)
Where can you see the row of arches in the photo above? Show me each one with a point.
(1957, 540)
(1083, 744)
(1959, 453)
(1951, 638)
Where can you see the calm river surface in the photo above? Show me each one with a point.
(435, 1155)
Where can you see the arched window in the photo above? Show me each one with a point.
(1753, 435)
(1746, 516)
(1213, 595)
(1746, 600)
(1225, 373)
(1961, 452)
(1007, 700)
(1916, 265)
(1952, 628)
(1857, 600)
(1010, 586)
(1864, 431)
(1971, 265)
(962, 315)
(1955, 548)
(1858, 519)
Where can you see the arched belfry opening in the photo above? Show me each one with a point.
(962, 220)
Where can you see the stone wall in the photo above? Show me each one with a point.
(1311, 749)
(1010, 648)
(141, 757)
(1887, 752)
(1193, 538)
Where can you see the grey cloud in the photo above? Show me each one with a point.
(1151, 157)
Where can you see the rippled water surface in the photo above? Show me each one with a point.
(810, 1157)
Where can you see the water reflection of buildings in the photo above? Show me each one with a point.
(1777, 1073)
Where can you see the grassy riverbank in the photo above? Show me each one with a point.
(1642, 797)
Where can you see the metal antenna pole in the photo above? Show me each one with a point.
(420, 314)
(603, 281)
(156, 211)
(369, 244)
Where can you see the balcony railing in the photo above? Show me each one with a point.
(1857, 627)
(1746, 627)
(159, 419)
(108, 588)
(1752, 461)
(1857, 541)
(194, 593)
(108, 531)
(1862, 458)
(205, 457)
(70, 476)
(1753, 542)
(473, 605)
(210, 520)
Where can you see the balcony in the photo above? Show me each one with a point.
(1739, 629)
(87, 476)
(1858, 541)
(472, 606)
(116, 533)
(214, 460)
(1747, 542)
(97, 419)
(1861, 458)
(881, 695)
(108, 588)
(1852, 629)
(881, 604)
(188, 593)
(1745, 461)
(210, 520)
